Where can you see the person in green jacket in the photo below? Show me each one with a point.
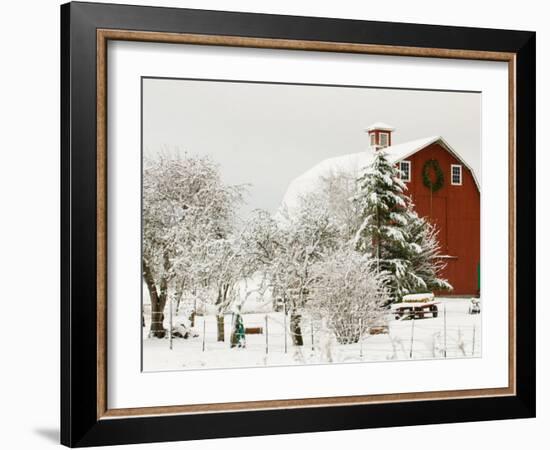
(238, 336)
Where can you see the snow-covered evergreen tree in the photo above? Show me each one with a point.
(384, 231)
(404, 245)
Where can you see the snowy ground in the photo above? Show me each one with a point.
(463, 332)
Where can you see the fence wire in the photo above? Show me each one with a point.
(406, 337)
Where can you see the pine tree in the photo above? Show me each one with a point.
(384, 210)
(404, 245)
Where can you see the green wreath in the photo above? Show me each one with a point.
(436, 185)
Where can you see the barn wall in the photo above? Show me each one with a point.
(455, 210)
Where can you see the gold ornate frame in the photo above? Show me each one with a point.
(105, 35)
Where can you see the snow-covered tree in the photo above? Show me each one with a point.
(307, 237)
(284, 249)
(260, 240)
(185, 207)
(338, 189)
(383, 207)
(223, 272)
(230, 264)
(349, 294)
(426, 265)
(404, 245)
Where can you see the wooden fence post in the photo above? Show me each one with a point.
(203, 331)
(444, 330)
(412, 338)
(170, 318)
(266, 337)
(284, 325)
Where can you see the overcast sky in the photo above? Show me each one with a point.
(268, 134)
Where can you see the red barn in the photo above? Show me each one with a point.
(454, 206)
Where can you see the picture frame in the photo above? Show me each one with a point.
(86, 418)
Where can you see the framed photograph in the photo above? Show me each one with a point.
(277, 224)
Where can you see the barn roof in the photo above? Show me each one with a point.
(354, 163)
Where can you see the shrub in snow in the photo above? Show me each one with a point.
(348, 294)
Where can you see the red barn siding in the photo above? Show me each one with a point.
(455, 211)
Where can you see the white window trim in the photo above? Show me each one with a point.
(452, 178)
(385, 133)
(408, 179)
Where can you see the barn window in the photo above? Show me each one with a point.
(405, 170)
(456, 174)
(373, 139)
(384, 138)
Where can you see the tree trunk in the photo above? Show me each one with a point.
(221, 327)
(179, 295)
(194, 312)
(295, 329)
(157, 302)
(220, 303)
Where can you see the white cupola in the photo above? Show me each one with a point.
(380, 135)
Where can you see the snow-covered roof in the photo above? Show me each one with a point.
(401, 151)
(354, 163)
(380, 126)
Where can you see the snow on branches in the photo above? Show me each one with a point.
(186, 207)
(286, 249)
(426, 263)
(349, 294)
(404, 245)
(345, 251)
